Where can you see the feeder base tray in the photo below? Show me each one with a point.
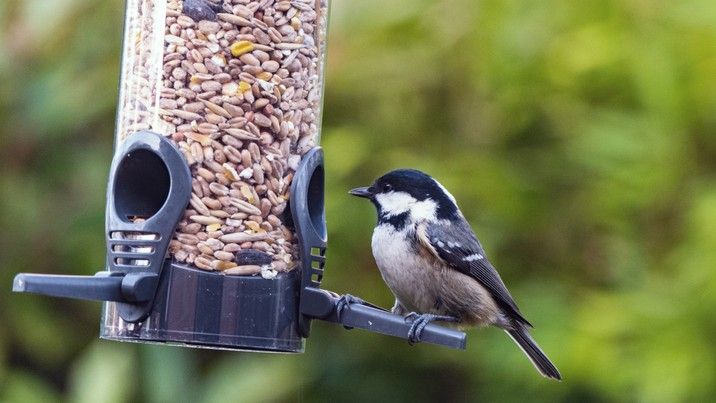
(219, 311)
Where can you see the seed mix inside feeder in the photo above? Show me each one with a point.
(215, 224)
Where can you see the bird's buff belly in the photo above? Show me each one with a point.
(402, 272)
(422, 287)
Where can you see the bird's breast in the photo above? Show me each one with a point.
(408, 274)
(424, 285)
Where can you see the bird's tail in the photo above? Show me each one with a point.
(523, 339)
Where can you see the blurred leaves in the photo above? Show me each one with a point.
(20, 386)
(244, 378)
(578, 137)
(105, 373)
(165, 377)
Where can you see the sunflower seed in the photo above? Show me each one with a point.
(241, 237)
(244, 270)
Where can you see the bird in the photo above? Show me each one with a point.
(433, 263)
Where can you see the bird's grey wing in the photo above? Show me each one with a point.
(457, 246)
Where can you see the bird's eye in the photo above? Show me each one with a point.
(387, 187)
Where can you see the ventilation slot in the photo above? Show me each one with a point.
(318, 261)
(132, 249)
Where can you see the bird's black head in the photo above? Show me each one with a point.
(406, 193)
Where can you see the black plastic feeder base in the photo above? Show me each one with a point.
(197, 308)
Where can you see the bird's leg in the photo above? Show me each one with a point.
(419, 321)
(398, 308)
(344, 302)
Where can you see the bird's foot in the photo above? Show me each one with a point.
(344, 302)
(411, 317)
(419, 321)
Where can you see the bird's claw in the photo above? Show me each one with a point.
(419, 322)
(411, 317)
(344, 302)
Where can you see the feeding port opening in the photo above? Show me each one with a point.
(315, 202)
(141, 185)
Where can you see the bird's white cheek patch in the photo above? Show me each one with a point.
(395, 203)
(423, 210)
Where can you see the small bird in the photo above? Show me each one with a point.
(434, 265)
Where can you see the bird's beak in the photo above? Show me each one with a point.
(362, 192)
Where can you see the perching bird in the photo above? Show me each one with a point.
(433, 263)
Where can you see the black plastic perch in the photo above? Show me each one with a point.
(321, 304)
(133, 287)
(151, 298)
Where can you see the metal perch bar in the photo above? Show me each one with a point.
(321, 304)
(101, 287)
(82, 287)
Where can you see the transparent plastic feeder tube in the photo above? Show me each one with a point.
(237, 86)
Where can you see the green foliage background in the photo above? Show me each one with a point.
(578, 137)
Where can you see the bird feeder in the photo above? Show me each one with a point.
(215, 223)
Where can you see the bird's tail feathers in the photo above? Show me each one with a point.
(538, 358)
